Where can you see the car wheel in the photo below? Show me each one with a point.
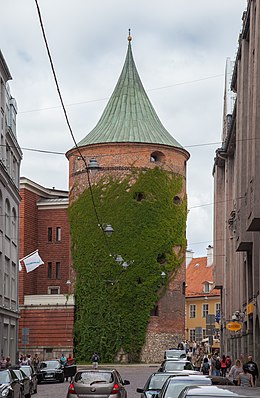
(35, 390)
(62, 380)
(28, 395)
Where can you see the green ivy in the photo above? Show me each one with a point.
(113, 304)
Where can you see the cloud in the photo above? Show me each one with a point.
(173, 42)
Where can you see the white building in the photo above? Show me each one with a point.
(10, 159)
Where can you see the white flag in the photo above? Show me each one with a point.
(20, 265)
(32, 261)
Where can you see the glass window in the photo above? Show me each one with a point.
(58, 270)
(192, 310)
(7, 218)
(217, 309)
(205, 310)
(206, 287)
(192, 335)
(49, 234)
(58, 234)
(49, 270)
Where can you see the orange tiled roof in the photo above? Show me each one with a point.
(197, 273)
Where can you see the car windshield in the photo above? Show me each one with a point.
(27, 370)
(174, 389)
(18, 374)
(94, 377)
(176, 365)
(50, 365)
(4, 377)
(157, 381)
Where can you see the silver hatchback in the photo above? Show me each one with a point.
(98, 383)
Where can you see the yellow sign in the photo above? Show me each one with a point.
(234, 326)
(250, 309)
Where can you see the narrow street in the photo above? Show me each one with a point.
(136, 374)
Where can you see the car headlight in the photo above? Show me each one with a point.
(6, 391)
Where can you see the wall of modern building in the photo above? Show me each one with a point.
(237, 192)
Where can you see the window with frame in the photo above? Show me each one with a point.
(49, 270)
(205, 310)
(58, 234)
(53, 290)
(217, 308)
(206, 287)
(7, 218)
(204, 333)
(192, 334)
(58, 274)
(192, 310)
(49, 234)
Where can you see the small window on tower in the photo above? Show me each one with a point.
(157, 156)
(58, 234)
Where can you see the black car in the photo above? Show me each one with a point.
(24, 381)
(31, 373)
(10, 386)
(51, 371)
(154, 384)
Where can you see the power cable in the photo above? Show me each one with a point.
(106, 98)
(69, 125)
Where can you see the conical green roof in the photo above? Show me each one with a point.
(129, 115)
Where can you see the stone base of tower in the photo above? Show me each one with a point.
(156, 344)
(166, 327)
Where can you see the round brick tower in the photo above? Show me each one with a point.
(130, 143)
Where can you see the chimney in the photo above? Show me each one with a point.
(189, 257)
(209, 255)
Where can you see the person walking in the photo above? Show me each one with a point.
(63, 360)
(252, 368)
(223, 364)
(8, 362)
(235, 371)
(245, 379)
(95, 360)
(205, 366)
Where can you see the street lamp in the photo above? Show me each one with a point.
(107, 228)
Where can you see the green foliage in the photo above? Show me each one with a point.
(113, 304)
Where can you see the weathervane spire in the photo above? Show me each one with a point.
(129, 35)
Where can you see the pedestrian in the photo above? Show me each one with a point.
(29, 360)
(252, 368)
(24, 360)
(8, 362)
(36, 362)
(70, 361)
(63, 359)
(245, 379)
(3, 363)
(235, 371)
(223, 366)
(194, 347)
(205, 366)
(197, 363)
(95, 360)
(228, 363)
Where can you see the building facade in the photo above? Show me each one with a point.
(10, 159)
(202, 299)
(130, 137)
(237, 192)
(45, 295)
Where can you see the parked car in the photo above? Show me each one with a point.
(50, 371)
(24, 381)
(10, 386)
(154, 384)
(175, 384)
(175, 354)
(98, 382)
(170, 365)
(31, 373)
(215, 392)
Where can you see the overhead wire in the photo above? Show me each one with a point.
(68, 123)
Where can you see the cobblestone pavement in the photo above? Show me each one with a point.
(136, 374)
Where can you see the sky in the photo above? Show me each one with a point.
(180, 50)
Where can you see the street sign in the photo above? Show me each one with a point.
(25, 336)
(210, 319)
(210, 330)
(25, 331)
(234, 326)
(211, 341)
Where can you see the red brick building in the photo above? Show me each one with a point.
(45, 299)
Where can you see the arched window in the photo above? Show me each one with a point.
(14, 226)
(7, 218)
(157, 156)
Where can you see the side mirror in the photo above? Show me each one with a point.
(126, 382)
(140, 390)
